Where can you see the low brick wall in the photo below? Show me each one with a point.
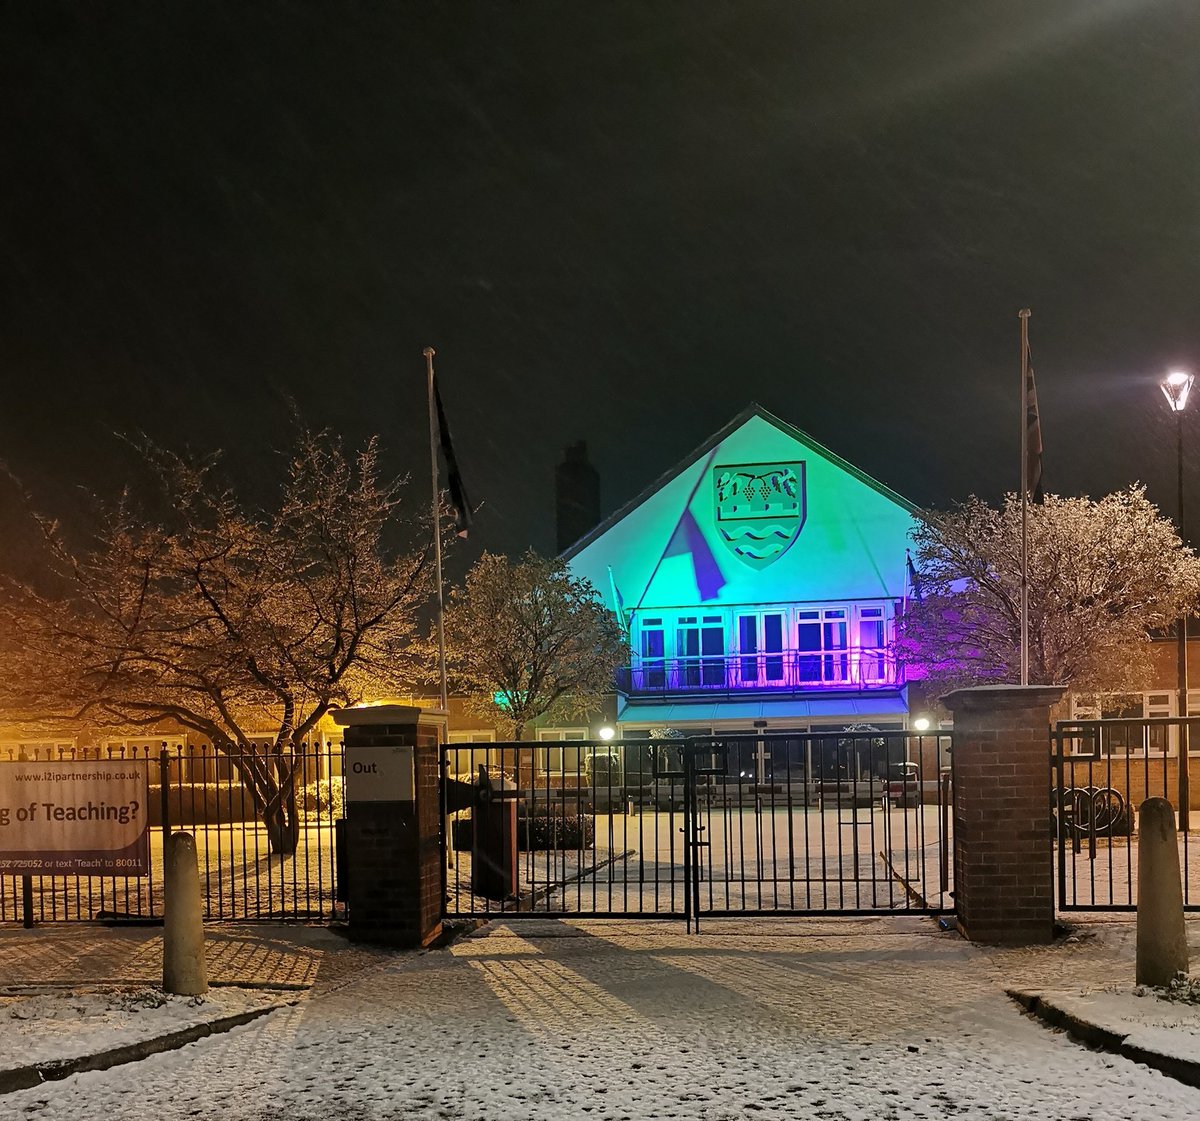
(1136, 779)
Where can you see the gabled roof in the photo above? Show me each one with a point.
(754, 409)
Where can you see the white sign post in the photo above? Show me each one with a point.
(380, 774)
(74, 817)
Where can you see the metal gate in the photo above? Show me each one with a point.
(848, 822)
(1102, 771)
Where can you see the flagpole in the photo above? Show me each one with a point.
(436, 518)
(1023, 314)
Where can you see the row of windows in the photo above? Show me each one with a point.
(1133, 738)
(766, 646)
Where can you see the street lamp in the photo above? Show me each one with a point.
(1176, 386)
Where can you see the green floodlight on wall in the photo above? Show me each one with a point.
(500, 700)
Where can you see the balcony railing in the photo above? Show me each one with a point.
(788, 672)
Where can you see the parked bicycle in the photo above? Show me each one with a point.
(1093, 811)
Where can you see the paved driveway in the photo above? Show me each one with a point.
(855, 1019)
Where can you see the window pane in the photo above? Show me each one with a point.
(748, 644)
(653, 671)
(808, 664)
(712, 646)
(687, 653)
(773, 644)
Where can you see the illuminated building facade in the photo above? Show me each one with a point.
(759, 581)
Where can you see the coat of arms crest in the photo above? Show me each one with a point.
(759, 509)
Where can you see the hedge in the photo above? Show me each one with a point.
(542, 833)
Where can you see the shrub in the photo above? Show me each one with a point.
(605, 770)
(540, 833)
(323, 800)
(556, 831)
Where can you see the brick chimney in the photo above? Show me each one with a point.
(577, 495)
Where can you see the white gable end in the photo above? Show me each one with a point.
(842, 538)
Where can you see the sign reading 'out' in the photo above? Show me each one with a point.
(74, 817)
(379, 774)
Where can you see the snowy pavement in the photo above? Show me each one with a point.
(57, 1026)
(848, 1019)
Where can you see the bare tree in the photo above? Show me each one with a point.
(222, 619)
(1102, 575)
(528, 639)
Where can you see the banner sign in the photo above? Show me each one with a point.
(74, 817)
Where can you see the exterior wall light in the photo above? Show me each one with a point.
(921, 724)
(607, 732)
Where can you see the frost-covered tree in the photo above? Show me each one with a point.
(1102, 575)
(528, 639)
(224, 619)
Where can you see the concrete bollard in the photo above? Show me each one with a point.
(184, 970)
(1162, 949)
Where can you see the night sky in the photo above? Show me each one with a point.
(618, 222)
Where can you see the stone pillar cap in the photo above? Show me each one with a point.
(980, 697)
(376, 714)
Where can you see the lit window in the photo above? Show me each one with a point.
(822, 654)
(653, 651)
(563, 761)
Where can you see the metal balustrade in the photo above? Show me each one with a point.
(855, 668)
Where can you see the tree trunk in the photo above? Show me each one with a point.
(271, 783)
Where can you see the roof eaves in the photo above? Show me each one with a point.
(754, 409)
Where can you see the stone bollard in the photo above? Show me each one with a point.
(184, 971)
(1162, 949)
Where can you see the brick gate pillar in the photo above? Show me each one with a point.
(395, 872)
(1003, 859)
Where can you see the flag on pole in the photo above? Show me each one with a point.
(454, 483)
(618, 601)
(1033, 436)
(914, 581)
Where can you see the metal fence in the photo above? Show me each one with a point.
(1102, 771)
(850, 822)
(200, 791)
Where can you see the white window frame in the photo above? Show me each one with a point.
(1154, 703)
(869, 664)
(822, 615)
(553, 760)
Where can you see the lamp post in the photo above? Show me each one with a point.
(1176, 386)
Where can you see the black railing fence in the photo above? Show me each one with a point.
(245, 875)
(1101, 772)
(848, 822)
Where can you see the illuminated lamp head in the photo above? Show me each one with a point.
(1176, 386)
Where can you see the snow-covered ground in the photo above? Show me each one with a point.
(65, 1024)
(880, 1019)
(1148, 1021)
